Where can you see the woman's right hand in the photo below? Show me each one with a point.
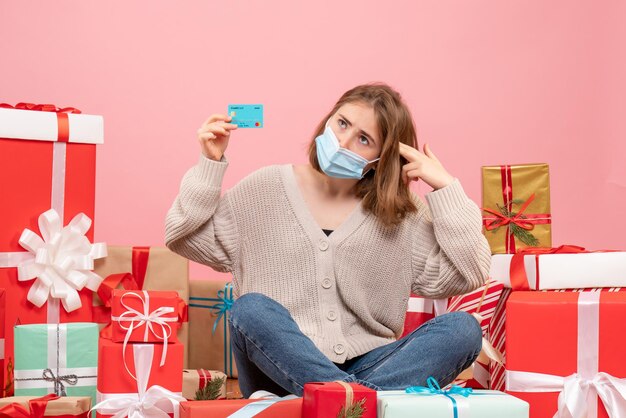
(213, 136)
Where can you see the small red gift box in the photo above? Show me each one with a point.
(327, 399)
(146, 316)
(263, 408)
(134, 374)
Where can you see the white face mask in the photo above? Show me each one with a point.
(336, 161)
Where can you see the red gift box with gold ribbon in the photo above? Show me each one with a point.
(330, 399)
(47, 178)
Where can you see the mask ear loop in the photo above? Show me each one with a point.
(371, 165)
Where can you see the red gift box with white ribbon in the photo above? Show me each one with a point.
(47, 178)
(149, 316)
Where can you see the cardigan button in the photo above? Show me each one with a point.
(331, 315)
(339, 348)
(327, 283)
(323, 245)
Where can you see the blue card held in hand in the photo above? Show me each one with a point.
(246, 115)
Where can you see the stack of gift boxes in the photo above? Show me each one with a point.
(558, 321)
(68, 337)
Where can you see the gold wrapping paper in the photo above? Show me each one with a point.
(166, 271)
(65, 405)
(526, 179)
(206, 349)
(191, 382)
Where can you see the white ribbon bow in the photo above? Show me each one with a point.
(60, 260)
(576, 392)
(155, 402)
(149, 319)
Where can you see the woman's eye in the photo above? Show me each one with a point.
(363, 140)
(342, 123)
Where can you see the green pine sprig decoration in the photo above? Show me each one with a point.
(211, 390)
(356, 410)
(520, 233)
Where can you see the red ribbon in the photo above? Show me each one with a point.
(517, 270)
(102, 314)
(37, 409)
(140, 264)
(63, 122)
(204, 378)
(526, 222)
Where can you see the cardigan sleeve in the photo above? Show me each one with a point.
(450, 255)
(201, 225)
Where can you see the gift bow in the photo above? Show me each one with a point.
(60, 260)
(37, 408)
(224, 305)
(138, 319)
(41, 107)
(518, 219)
(59, 388)
(576, 392)
(154, 402)
(433, 388)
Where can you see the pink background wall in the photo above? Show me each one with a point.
(488, 83)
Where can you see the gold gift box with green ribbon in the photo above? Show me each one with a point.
(516, 207)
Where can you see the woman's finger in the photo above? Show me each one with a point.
(409, 153)
(429, 153)
(207, 136)
(217, 117)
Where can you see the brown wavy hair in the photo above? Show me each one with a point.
(382, 190)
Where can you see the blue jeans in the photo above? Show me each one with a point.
(272, 353)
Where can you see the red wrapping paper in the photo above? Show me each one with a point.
(113, 377)
(542, 337)
(2, 340)
(126, 306)
(223, 408)
(26, 184)
(325, 399)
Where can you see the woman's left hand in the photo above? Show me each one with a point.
(425, 166)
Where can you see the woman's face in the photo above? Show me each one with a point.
(356, 128)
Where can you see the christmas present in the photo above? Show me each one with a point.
(456, 402)
(47, 161)
(152, 268)
(56, 358)
(203, 385)
(146, 315)
(135, 376)
(563, 267)
(2, 325)
(47, 406)
(338, 399)
(210, 346)
(288, 407)
(421, 310)
(481, 303)
(516, 203)
(564, 352)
